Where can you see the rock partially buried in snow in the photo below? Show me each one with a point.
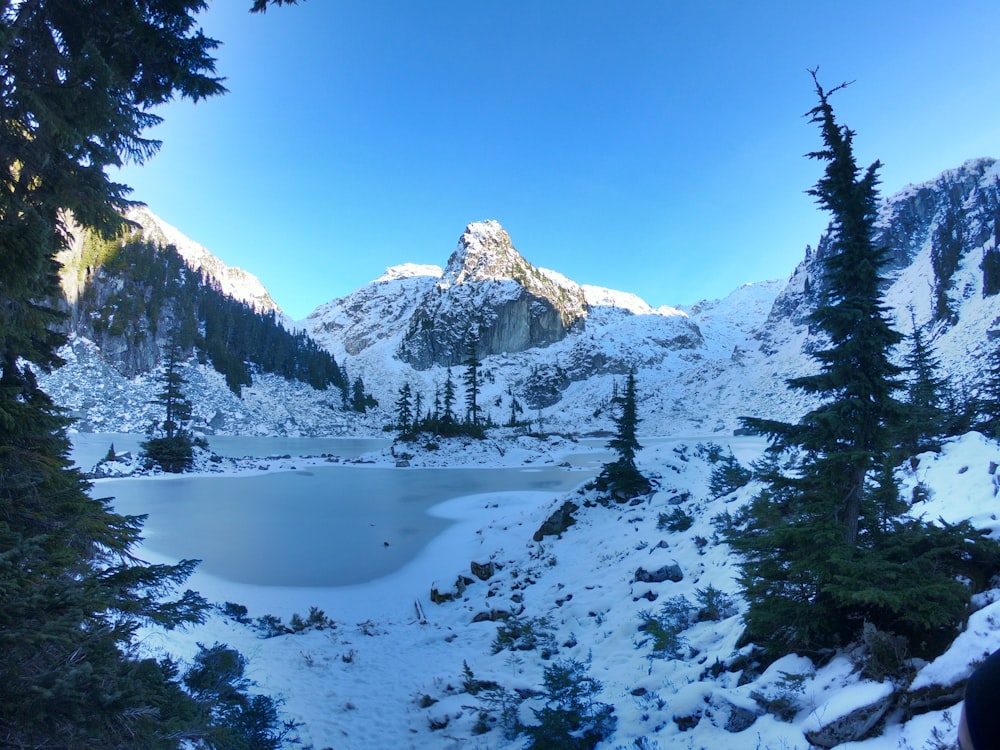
(670, 572)
(849, 715)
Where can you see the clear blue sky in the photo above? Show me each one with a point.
(650, 146)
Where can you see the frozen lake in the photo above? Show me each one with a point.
(322, 527)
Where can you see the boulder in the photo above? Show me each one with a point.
(833, 724)
(482, 571)
(670, 572)
(558, 522)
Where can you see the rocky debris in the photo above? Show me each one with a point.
(670, 572)
(483, 571)
(558, 522)
(440, 597)
(853, 725)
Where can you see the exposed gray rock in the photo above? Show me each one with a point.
(852, 726)
(558, 522)
(733, 715)
(483, 571)
(490, 290)
(671, 572)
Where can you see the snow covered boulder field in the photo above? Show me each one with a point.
(533, 629)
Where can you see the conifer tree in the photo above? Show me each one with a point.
(823, 544)
(471, 378)
(447, 417)
(404, 410)
(621, 477)
(170, 444)
(925, 420)
(79, 82)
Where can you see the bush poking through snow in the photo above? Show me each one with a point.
(238, 719)
(666, 626)
(677, 520)
(526, 634)
(728, 476)
(715, 604)
(571, 719)
(783, 699)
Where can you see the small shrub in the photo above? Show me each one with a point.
(783, 700)
(236, 718)
(676, 520)
(728, 476)
(270, 626)
(715, 604)
(526, 634)
(711, 452)
(236, 611)
(571, 719)
(666, 626)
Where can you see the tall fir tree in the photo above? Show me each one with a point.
(823, 544)
(404, 409)
(79, 82)
(471, 378)
(170, 444)
(622, 477)
(925, 420)
(447, 418)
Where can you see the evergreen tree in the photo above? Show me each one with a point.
(471, 379)
(78, 81)
(822, 543)
(170, 444)
(404, 410)
(621, 477)
(359, 399)
(447, 418)
(987, 406)
(925, 419)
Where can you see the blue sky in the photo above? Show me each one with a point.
(650, 146)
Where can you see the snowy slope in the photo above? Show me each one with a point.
(390, 670)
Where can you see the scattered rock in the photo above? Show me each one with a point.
(482, 571)
(558, 522)
(853, 725)
(671, 572)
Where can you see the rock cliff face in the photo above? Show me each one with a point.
(489, 291)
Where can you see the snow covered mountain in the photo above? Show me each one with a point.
(553, 348)
(699, 368)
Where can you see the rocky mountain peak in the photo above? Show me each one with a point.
(485, 253)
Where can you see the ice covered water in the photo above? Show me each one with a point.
(325, 526)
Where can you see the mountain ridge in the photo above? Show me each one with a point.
(700, 367)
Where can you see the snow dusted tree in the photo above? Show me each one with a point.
(471, 378)
(621, 477)
(404, 410)
(824, 548)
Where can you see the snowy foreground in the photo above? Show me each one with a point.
(388, 671)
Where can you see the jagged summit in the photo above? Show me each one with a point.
(484, 253)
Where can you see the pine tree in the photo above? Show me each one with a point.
(987, 406)
(404, 410)
(447, 418)
(471, 378)
(925, 419)
(621, 477)
(821, 542)
(79, 82)
(170, 444)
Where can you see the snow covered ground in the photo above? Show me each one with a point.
(389, 670)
